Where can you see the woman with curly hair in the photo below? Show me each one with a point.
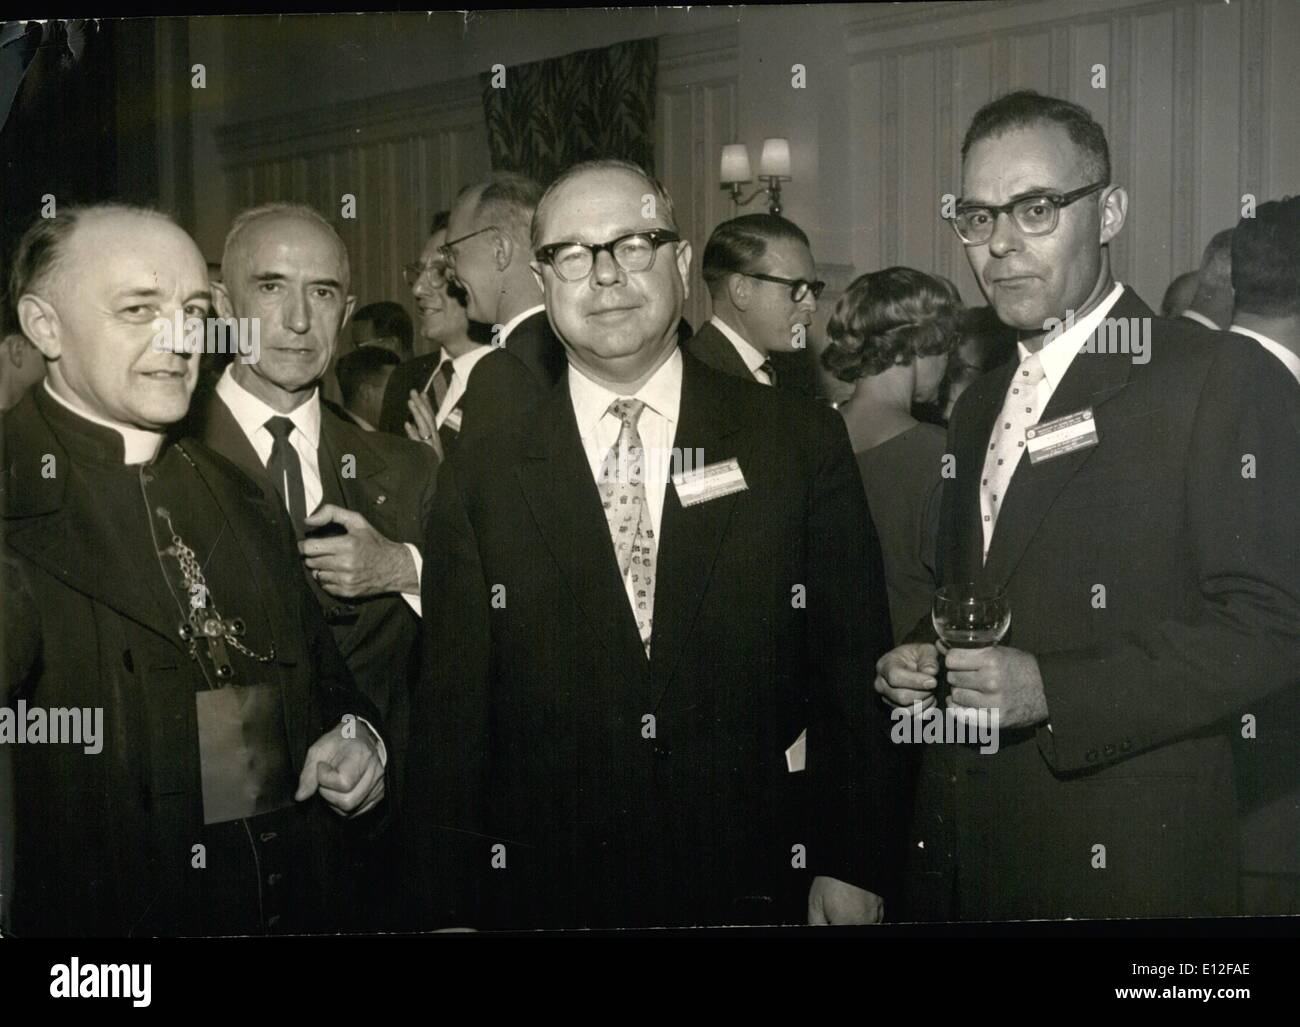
(890, 335)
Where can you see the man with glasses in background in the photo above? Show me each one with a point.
(430, 398)
(621, 653)
(1136, 507)
(487, 255)
(761, 277)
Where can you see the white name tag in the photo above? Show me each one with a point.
(453, 420)
(1063, 435)
(711, 482)
(796, 757)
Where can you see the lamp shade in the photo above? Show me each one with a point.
(775, 159)
(735, 164)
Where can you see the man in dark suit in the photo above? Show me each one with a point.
(611, 726)
(284, 265)
(466, 384)
(152, 586)
(1146, 547)
(363, 375)
(762, 280)
(488, 256)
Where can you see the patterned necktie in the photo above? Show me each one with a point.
(1007, 443)
(442, 383)
(285, 470)
(623, 495)
(767, 368)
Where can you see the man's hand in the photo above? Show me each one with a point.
(347, 772)
(907, 675)
(423, 426)
(999, 678)
(834, 902)
(360, 563)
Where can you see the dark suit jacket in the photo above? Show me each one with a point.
(1201, 617)
(637, 792)
(104, 841)
(794, 373)
(539, 349)
(499, 388)
(393, 489)
(411, 374)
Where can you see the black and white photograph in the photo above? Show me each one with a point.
(672, 471)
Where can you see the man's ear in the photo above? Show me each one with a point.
(41, 325)
(503, 251)
(739, 291)
(221, 299)
(1114, 210)
(684, 267)
(348, 307)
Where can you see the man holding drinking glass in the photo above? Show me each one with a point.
(1127, 483)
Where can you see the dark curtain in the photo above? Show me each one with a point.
(594, 103)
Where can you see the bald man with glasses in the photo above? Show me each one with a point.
(624, 648)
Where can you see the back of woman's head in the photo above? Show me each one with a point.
(891, 317)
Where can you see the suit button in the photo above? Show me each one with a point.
(268, 836)
(1110, 750)
(1091, 756)
(274, 879)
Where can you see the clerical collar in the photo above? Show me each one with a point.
(138, 446)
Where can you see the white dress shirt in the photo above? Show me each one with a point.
(657, 426)
(461, 367)
(1290, 359)
(139, 446)
(1059, 354)
(1199, 318)
(515, 322)
(753, 358)
(251, 414)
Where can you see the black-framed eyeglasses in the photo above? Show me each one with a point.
(1034, 214)
(448, 249)
(573, 261)
(799, 287)
(435, 269)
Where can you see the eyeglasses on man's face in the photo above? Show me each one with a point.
(799, 287)
(448, 249)
(573, 261)
(1034, 214)
(435, 269)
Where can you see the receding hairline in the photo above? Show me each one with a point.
(93, 217)
(236, 239)
(1086, 158)
(564, 182)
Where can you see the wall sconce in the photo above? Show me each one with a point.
(773, 169)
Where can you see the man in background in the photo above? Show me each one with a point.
(363, 377)
(385, 324)
(487, 255)
(1211, 306)
(761, 278)
(1178, 297)
(1266, 280)
(21, 364)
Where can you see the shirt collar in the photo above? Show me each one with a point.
(1199, 318)
(662, 394)
(1292, 360)
(251, 413)
(516, 321)
(1058, 354)
(752, 357)
(464, 363)
(138, 446)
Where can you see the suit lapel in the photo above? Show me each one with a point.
(1092, 379)
(221, 432)
(690, 537)
(561, 493)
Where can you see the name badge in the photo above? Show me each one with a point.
(1051, 439)
(711, 482)
(453, 420)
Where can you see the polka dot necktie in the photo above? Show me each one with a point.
(623, 495)
(1007, 443)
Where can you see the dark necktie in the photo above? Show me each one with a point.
(767, 368)
(285, 470)
(442, 383)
